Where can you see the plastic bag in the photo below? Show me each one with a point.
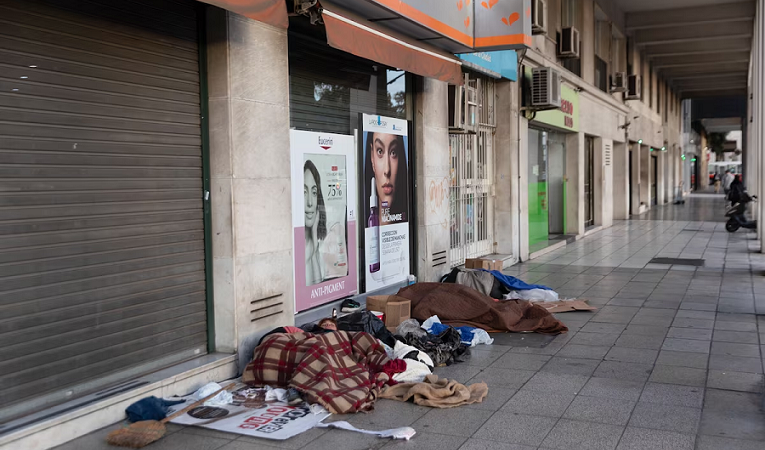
(535, 295)
(222, 399)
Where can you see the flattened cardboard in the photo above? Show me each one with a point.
(566, 306)
(482, 263)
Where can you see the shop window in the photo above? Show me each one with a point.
(601, 74)
(329, 88)
(471, 223)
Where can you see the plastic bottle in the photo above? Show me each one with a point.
(373, 238)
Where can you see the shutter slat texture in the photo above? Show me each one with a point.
(101, 215)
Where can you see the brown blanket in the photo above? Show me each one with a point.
(437, 393)
(459, 305)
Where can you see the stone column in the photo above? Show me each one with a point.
(645, 177)
(661, 181)
(636, 188)
(250, 178)
(621, 181)
(575, 183)
(432, 179)
(506, 170)
(523, 189)
(604, 182)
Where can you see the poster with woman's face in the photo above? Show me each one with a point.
(385, 196)
(324, 217)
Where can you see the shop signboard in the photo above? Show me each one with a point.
(503, 62)
(385, 199)
(324, 217)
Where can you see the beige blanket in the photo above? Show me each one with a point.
(437, 393)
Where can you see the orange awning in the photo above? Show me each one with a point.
(365, 42)
(272, 12)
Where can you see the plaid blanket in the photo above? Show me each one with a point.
(342, 371)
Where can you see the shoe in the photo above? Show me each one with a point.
(350, 306)
(293, 397)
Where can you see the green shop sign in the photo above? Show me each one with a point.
(567, 116)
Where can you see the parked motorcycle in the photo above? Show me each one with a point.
(737, 215)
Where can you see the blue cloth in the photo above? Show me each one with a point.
(513, 283)
(149, 408)
(466, 333)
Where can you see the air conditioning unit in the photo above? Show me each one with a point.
(568, 47)
(633, 88)
(545, 88)
(463, 107)
(619, 82)
(538, 17)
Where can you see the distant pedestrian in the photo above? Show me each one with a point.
(718, 183)
(727, 180)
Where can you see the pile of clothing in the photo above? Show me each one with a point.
(495, 284)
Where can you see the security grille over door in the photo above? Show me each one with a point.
(471, 196)
(102, 274)
(589, 182)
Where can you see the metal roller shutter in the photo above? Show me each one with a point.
(102, 273)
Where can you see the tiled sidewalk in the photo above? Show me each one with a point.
(672, 360)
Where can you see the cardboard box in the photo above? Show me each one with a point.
(396, 309)
(482, 263)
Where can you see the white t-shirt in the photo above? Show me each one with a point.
(727, 180)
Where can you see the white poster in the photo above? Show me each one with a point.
(276, 420)
(324, 217)
(385, 196)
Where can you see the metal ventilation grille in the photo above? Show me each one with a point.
(607, 155)
(539, 87)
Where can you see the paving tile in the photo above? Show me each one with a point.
(634, 355)
(739, 425)
(685, 345)
(583, 351)
(653, 321)
(690, 333)
(679, 419)
(732, 401)
(735, 326)
(734, 349)
(735, 363)
(600, 409)
(646, 330)
(735, 381)
(672, 394)
(555, 382)
(640, 341)
(702, 324)
(520, 361)
(576, 435)
(623, 371)
(707, 315)
(459, 372)
(452, 421)
(493, 401)
(683, 359)
(387, 414)
(679, 375)
(342, 440)
(191, 442)
(539, 403)
(721, 443)
(427, 441)
(613, 388)
(484, 356)
(483, 444)
(689, 305)
(647, 439)
(574, 366)
(596, 339)
(741, 337)
(503, 378)
(517, 428)
(608, 328)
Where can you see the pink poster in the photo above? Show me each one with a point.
(324, 218)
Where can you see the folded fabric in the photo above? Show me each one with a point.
(479, 280)
(342, 371)
(149, 408)
(415, 372)
(437, 393)
(222, 399)
(410, 326)
(513, 283)
(534, 295)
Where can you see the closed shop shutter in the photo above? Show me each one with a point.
(102, 274)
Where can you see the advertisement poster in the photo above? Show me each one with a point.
(385, 199)
(276, 421)
(324, 217)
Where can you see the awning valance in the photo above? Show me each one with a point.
(365, 42)
(272, 12)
